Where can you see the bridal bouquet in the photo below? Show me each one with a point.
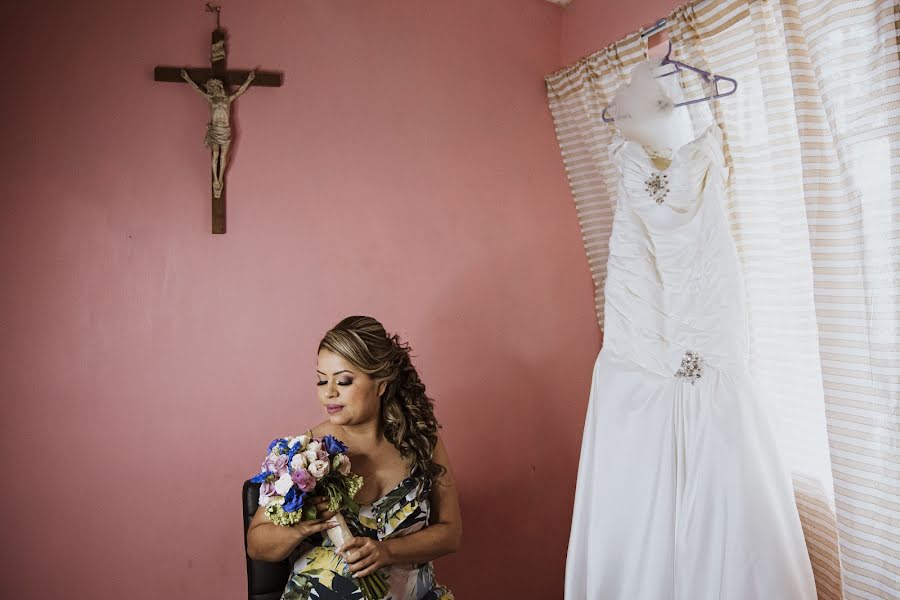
(295, 470)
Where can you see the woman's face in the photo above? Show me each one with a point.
(348, 396)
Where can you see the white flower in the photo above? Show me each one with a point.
(267, 500)
(314, 445)
(341, 464)
(310, 455)
(300, 439)
(299, 461)
(318, 469)
(283, 484)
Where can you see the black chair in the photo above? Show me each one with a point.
(265, 580)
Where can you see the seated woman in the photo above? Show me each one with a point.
(409, 510)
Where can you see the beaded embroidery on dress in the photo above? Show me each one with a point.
(682, 493)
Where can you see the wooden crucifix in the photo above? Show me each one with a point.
(217, 82)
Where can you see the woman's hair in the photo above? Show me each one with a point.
(407, 413)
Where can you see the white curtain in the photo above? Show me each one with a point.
(813, 142)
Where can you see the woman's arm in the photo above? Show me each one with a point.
(441, 537)
(271, 542)
(444, 532)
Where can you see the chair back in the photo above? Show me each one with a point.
(265, 580)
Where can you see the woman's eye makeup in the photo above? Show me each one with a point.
(345, 382)
(320, 382)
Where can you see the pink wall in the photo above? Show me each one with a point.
(407, 169)
(589, 25)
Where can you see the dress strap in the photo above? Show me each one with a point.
(713, 142)
(714, 146)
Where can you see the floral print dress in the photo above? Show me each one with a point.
(319, 573)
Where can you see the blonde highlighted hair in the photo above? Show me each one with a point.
(407, 413)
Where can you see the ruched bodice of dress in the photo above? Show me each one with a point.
(674, 283)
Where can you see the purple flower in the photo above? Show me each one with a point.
(304, 480)
(277, 463)
(266, 492)
(333, 445)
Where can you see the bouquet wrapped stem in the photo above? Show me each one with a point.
(374, 587)
(298, 468)
(340, 534)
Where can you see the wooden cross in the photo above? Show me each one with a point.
(228, 78)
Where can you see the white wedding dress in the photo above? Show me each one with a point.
(682, 494)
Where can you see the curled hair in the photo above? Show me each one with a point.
(407, 413)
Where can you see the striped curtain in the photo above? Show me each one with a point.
(812, 139)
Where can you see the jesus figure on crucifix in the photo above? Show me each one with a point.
(218, 131)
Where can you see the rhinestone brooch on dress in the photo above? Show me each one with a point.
(691, 366)
(657, 186)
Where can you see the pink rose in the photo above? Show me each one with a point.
(277, 463)
(304, 480)
(266, 491)
(319, 468)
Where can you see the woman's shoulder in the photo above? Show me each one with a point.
(324, 428)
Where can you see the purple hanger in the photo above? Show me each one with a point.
(678, 67)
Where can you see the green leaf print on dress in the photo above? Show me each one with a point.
(321, 574)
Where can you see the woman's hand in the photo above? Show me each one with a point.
(365, 555)
(270, 542)
(321, 504)
(306, 529)
(321, 524)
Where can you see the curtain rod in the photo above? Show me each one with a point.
(657, 27)
(664, 23)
